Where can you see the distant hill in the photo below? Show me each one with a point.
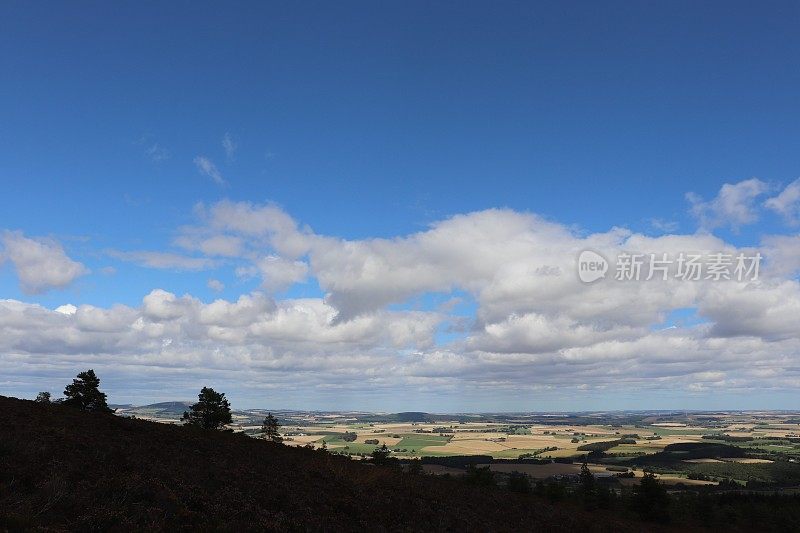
(63, 469)
(411, 417)
(167, 407)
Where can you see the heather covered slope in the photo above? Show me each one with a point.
(65, 469)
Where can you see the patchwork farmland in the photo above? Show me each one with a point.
(681, 449)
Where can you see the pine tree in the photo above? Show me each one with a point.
(43, 397)
(270, 429)
(84, 393)
(212, 411)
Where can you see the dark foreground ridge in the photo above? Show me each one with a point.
(63, 469)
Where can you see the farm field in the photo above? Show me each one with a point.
(507, 441)
(508, 436)
(758, 447)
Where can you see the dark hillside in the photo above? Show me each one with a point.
(62, 469)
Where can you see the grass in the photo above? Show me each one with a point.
(514, 454)
(353, 447)
(417, 441)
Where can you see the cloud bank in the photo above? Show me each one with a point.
(530, 326)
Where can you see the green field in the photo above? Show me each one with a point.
(417, 441)
(354, 447)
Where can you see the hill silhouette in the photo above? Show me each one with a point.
(64, 469)
(168, 406)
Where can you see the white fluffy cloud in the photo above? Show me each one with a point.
(513, 264)
(787, 203)
(279, 273)
(734, 206)
(532, 324)
(167, 330)
(41, 264)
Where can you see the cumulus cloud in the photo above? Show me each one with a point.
(783, 254)
(66, 309)
(256, 339)
(534, 324)
(767, 310)
(787, 203)
(207, 167)
(41, 264)
(734, 205)
(265, 224)
(512, 263)
(249, 334)
(518, 267)
(161, 305)
(279, 273)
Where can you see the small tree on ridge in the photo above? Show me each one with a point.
(270, 429)
(43, 397)
(84, 393)
(212, 411)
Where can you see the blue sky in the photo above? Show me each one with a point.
(377, 120)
